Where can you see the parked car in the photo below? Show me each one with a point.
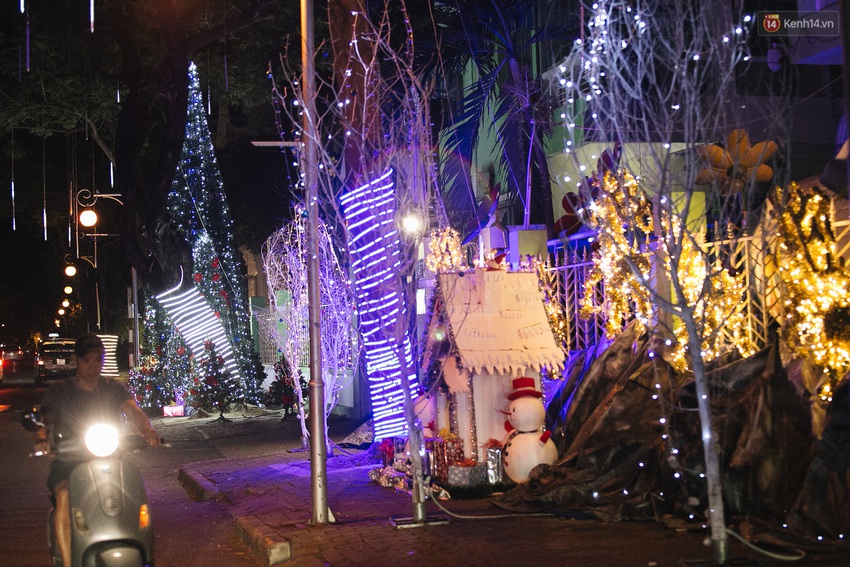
(13, 356)
(54, 359)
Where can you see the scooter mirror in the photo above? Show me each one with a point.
(31, 420)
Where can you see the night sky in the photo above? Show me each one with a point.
(31, 280)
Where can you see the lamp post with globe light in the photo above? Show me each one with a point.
(85, 216)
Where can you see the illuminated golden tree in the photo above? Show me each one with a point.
(622, 215)
(817, 287)
(658, 79)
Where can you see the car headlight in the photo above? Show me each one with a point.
(102, 439)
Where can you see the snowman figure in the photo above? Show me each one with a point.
(527, 445)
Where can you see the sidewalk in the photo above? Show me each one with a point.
(269, 497)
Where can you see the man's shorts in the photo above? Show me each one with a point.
(59, 470)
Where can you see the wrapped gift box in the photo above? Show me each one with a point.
(467, 475)
(445, 453)
(172, 411)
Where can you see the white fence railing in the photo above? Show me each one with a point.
(748, 257)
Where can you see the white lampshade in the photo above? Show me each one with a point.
(88, 218)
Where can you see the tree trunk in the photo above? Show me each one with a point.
(714, 482)
(361, 117)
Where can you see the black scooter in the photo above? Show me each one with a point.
(110, 520)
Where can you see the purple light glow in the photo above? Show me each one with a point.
(376, 256)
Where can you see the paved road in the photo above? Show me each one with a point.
(188, 533)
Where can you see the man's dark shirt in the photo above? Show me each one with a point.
(71, 410)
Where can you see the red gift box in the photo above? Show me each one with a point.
(172, 411)
(445, 452)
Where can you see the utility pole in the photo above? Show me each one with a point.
(318, 443)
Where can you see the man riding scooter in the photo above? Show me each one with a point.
(68, 407)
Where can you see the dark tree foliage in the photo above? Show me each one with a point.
(124, 88)
(503, 43)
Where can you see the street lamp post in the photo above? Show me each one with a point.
(318, 445)
(87, 217)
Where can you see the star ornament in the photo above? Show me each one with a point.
(738, 164)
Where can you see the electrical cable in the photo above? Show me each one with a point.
(777, 556)
(488, 516)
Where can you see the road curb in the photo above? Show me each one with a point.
(263, 540)
(197, 485)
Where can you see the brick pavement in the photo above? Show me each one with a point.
(269, 498)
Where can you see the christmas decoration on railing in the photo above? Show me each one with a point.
(622, 216)
(714, 293)
(374, 249)
(623, 264)
(738, 164)
(817, 285)
(444, 251)
(551, 302)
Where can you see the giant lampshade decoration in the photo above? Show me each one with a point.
(375, 259)
(197, 322)
(110, 360)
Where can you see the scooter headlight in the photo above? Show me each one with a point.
(102, 439)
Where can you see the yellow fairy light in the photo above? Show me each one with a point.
(620, 203)
(554, 308)
(715, 294)
(817, 323)
(444, 254)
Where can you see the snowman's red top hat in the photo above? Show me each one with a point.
(524, 387)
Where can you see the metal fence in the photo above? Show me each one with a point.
(750, 258)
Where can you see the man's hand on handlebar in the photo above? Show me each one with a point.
(41, 448)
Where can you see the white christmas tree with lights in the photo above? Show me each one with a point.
(198, 207)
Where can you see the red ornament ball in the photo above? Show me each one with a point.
(198, 278)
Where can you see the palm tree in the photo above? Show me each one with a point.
(498, 44)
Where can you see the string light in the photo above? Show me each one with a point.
(374, 247)
(198, 209)
(444, 251)
(817, 323)
(623, 266)
(197, 322)
(620, 203)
